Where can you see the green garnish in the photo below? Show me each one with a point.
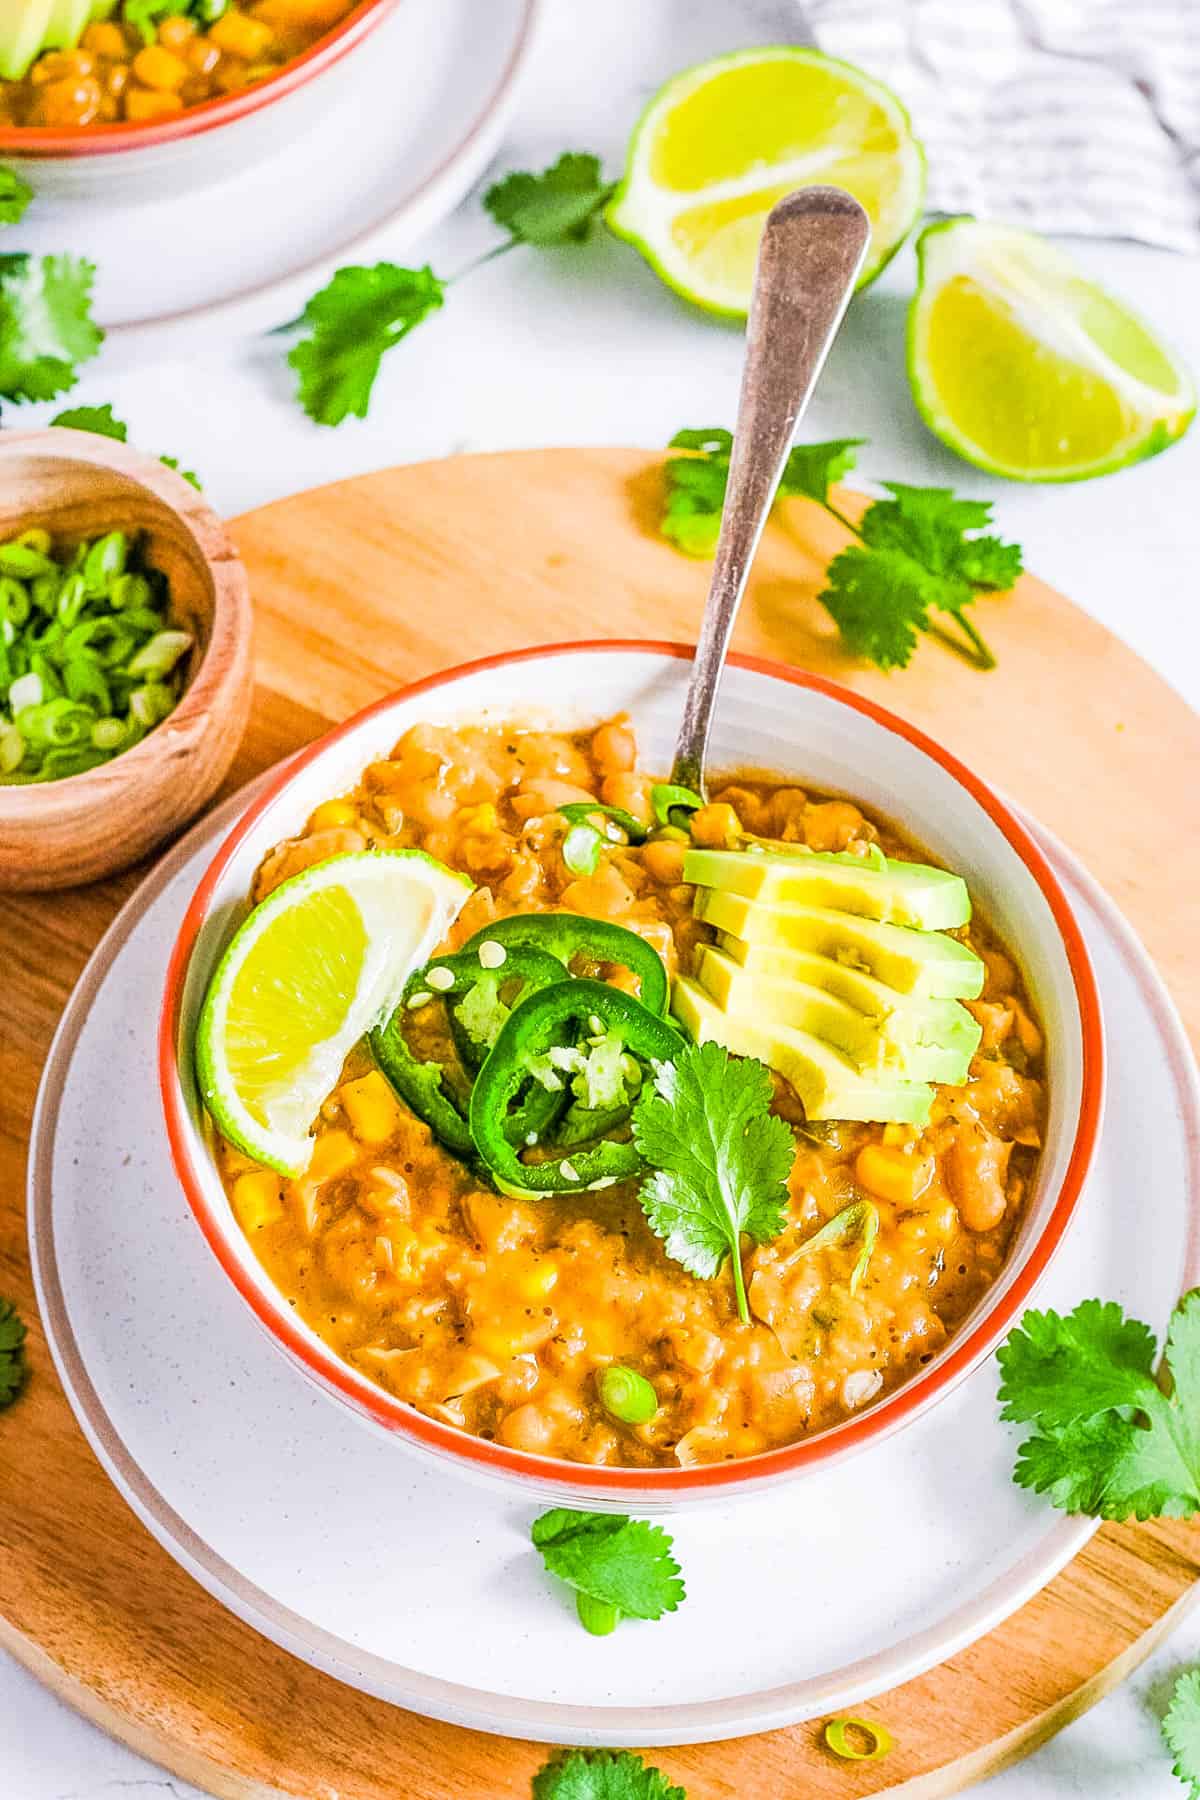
(616, 1562)
(667, 797)
(13, 1367)
(1181, 1731)
(840, 1735)
(859, 1220)
(602, 1775)
(720, 1160)
(89, 662)
(144, 15)
(626, 1394)
(919, 553)
(46, 325)
(1109, 1441)
(584, 841)
(559, 206)
(364, 312)
(101, 421)
(581, 849)
(15, 195)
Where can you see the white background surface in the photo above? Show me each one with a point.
(585, 347)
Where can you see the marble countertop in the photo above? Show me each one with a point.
(530, 352)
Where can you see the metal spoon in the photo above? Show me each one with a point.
(812, 249)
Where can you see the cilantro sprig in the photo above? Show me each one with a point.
(102, 421)
(15, 195)
(921, 557)
(720, 1160)
(364, 312)
(46, 326)
(1181, 1731)
(1110, 1439)
(13, 1367)
(619, 1567)
(602, 1775)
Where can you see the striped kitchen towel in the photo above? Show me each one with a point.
(1076, 116)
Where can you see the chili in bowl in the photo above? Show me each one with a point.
(487, 1249)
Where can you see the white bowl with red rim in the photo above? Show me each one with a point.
(202, 143)
(770, 717)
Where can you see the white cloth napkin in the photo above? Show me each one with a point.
(1076, 116)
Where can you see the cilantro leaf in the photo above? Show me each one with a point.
(695, 490)
(143, 15)
(720, 1159)
(15, 195)
(624, 1563)
(45, 324)
(1108, 1440)
(602, 1775)
(879, 601)
(1180, 1729)
(100, 419)
(13, 1368)
(559, 206)
(361, 314)
(812, 469)
(93, 418)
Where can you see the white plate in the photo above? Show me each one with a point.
(420, 1588)
(432, 92)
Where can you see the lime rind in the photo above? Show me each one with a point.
(376, 880)
(1007, 259)
(640, 211)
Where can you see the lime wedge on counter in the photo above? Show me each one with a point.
(312, 969)
(722, 142)
(1027, 368)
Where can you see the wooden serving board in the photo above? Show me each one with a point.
(359, 588)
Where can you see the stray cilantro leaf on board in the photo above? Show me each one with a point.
(1181, 1731)
(913, 560)
(602, 1775)
(13, 1368)
(46, 326)
(101, 421)
(615, 1563)
(720, 1160)
(15, 195)
(1108, 1441)
(559, 206)
(351, 324)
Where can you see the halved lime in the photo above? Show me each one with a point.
(722, 142)
(312, 969)
(1029, 369)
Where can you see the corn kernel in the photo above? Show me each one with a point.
(890, 1175)
(175, 31)
(148, 103)
(160, 69)
(257, 1200)
(105, 39)
(372, 1108)
(332, 814)
(539, 1280)
(334, 1154)
(715, 826)
(896, 1136)
(237, 35)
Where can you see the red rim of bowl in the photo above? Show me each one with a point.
(967, 1351)
(34, 141)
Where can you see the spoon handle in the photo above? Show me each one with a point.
(812, 249)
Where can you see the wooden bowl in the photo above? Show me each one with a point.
(77, 484)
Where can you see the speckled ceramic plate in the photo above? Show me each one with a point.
(409, 1583)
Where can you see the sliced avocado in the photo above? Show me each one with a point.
(64, 28)
(828, 1084)
(920, 1040)
(925, 964)
(900, 893)
(22, 35)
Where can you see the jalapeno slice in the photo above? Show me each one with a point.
(568, 1012)
(566, 935)
(477, 1010)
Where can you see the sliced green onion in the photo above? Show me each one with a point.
(837, 1736)
(35, 539)
(581, 849)
(12, 749)
(600, 1617)
(160, 655)
(15, 602)
(626, 1394)
(108, 734)
(105, 561)
(667, 795)
(24, 562)
(25, 691)
(858, 1220)
(581, 812)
